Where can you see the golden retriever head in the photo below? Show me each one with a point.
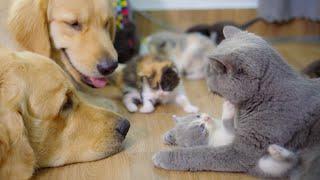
(44, 123)
(78, 34)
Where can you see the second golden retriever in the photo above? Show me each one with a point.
(77, 34)
(43, 121)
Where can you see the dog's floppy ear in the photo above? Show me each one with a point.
(28, 24)
(17, 160)
(112, 29)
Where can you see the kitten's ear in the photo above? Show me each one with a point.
(230, 31)
(176, 119)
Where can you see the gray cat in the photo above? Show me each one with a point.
(275, 105)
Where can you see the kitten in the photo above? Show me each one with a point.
(296, 165)
(215, 31)
(275, 105)
(149, 80)
(201, 129)
(187, 51)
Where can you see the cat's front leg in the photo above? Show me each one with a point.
(184, 102)
(202, 158)
(129, 99)
(225, 134)
(147, 106)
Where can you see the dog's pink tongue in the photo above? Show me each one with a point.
(98, 82)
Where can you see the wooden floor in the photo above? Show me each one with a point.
(145, 135)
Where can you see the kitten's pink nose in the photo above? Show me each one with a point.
(207, 119)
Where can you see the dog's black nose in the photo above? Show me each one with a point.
(123, 127)
(106, 67)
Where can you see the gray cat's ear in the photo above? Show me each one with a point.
(216, 66)
(230, 31)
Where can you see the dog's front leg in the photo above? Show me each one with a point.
(202, 158)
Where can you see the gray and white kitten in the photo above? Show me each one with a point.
(275, 105)
(200, 129)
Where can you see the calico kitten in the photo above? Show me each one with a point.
(149, 80)
(187, 51)
(201, 129)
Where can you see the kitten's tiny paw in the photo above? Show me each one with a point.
(191, 109)
(228, 105)
(146, 109)
(132, 108)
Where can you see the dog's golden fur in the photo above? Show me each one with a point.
(77, 34)
(43, 121)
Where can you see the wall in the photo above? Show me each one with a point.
(183, 19)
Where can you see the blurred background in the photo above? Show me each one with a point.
(280, 17)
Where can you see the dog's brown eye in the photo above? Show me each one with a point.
(107, 25)
(76, 26)
(67, 104)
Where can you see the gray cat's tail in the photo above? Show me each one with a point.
(313, 69)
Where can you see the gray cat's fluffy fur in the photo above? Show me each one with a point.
(275, 104)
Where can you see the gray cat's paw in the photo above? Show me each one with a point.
(163, 159)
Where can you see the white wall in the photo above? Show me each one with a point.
(192, 4)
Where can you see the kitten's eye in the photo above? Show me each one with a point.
(198, 116)
(75, 25)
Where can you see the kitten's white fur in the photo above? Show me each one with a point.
(220, 136)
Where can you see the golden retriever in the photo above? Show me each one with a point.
(77, 34)
(43, 121)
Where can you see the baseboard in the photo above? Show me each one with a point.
(152, 5)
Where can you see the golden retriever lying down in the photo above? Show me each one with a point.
(77, 34)
(44, 123)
